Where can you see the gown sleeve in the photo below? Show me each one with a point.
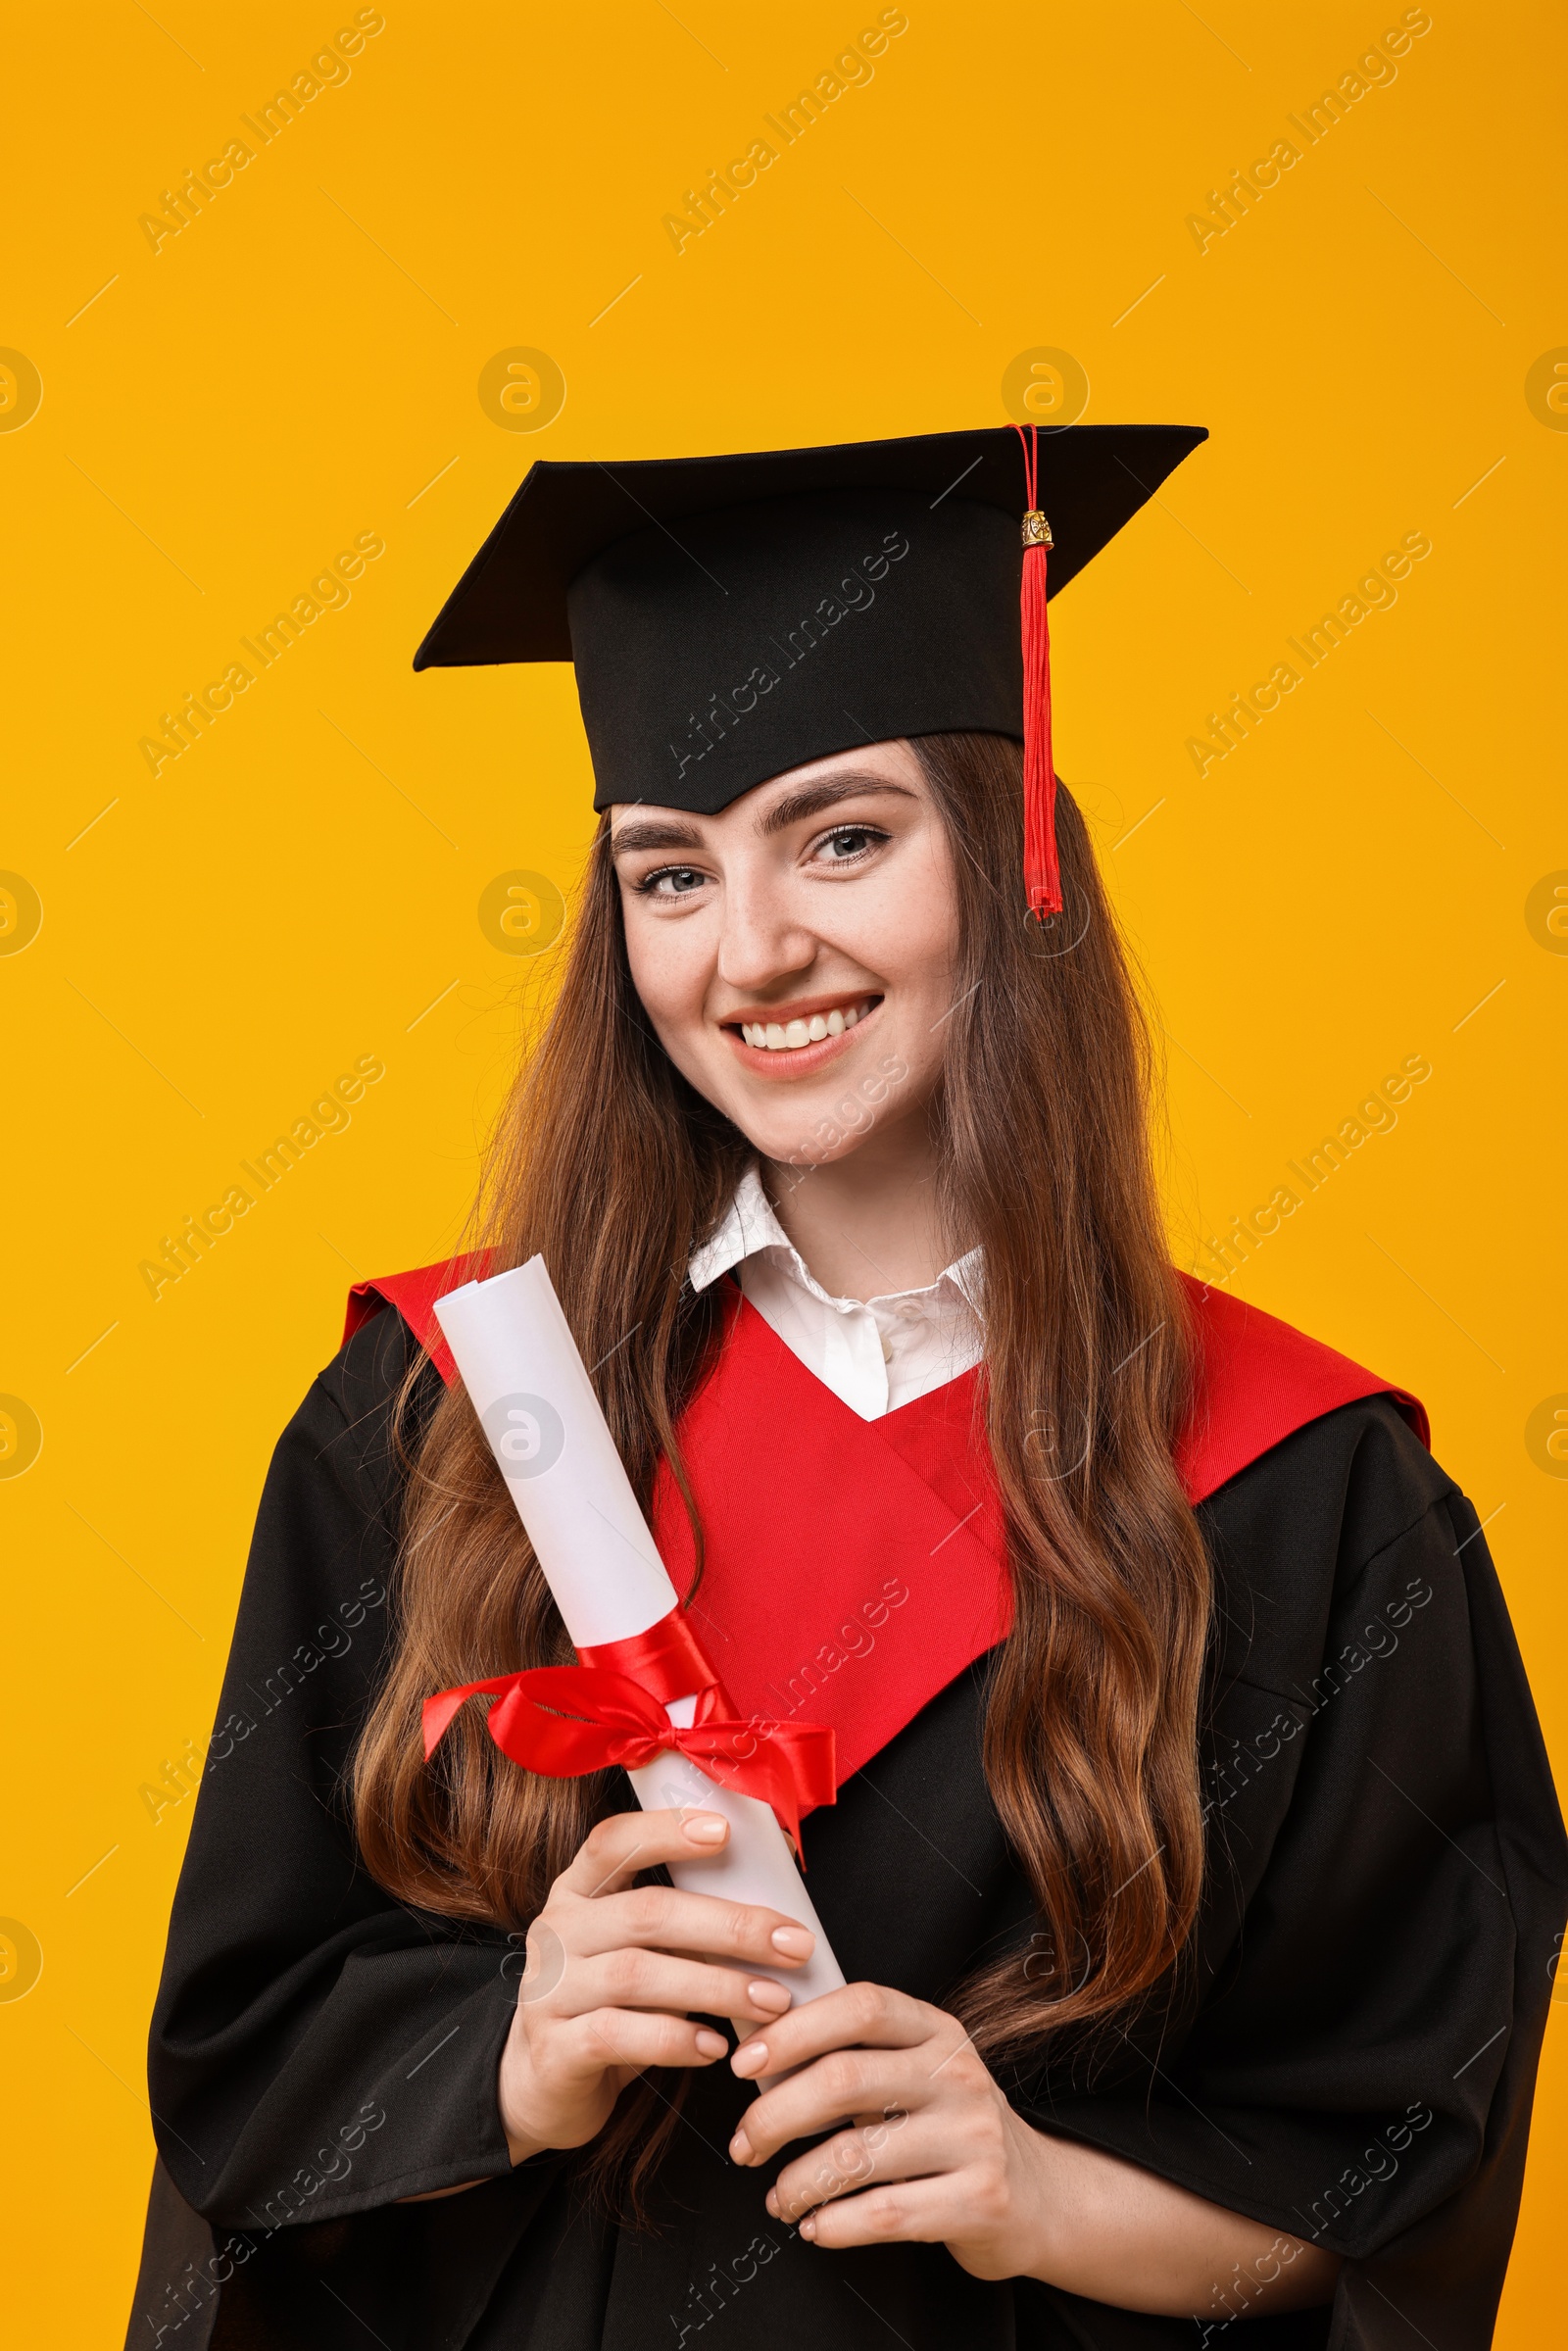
(318, 2049)
(1367, 1991)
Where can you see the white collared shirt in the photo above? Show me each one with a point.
(874, 1355)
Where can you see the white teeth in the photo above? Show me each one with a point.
(777, 1037)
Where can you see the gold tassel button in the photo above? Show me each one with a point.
(1036, 531)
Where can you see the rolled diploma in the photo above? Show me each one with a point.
(526, 1382)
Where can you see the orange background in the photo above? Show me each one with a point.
(1368, 876)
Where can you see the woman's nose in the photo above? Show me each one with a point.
(761, 937)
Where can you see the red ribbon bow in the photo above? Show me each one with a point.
(565, 1720)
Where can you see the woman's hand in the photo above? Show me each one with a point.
(612, 1981)
(933, 2150)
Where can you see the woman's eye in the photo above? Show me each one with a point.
(848, 841)
(670, 881)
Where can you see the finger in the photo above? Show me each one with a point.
(864, 2015)
(614, 1849)
(661, 1916)
(637, 2039)
(846, 2081)
(874, 2152)
(632, 1978)
(926, 2212)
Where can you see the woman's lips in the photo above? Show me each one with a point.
(783, 1060)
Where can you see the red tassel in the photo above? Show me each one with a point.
(1041, 878)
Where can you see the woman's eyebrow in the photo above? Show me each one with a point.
(809, 801)
(813, 799)
(653, 835)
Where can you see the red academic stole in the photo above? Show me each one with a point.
(853, 1568)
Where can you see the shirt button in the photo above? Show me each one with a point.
(887, 1349)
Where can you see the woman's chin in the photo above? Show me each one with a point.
(794, 1145)
(820, 1132)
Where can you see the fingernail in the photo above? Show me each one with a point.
(771, 2201)
(750, 2057)
(740, 2146)
(794, 1941)
(763, 1993)
(706, 1828)
(711, 2044)
(808, 2227)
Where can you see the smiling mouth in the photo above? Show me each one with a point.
(803, 1029)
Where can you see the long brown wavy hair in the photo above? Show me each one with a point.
(607, 1162)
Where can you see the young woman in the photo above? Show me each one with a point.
(1193, 1864)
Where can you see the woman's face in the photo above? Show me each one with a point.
(795, 953)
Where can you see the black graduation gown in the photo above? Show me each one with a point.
(1353, 2064)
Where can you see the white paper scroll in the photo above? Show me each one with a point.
(526, 1382)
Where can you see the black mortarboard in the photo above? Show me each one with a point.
(731, 617)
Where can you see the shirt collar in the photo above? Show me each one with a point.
(749, 1226)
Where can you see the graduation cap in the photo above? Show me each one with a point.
(731, 617)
